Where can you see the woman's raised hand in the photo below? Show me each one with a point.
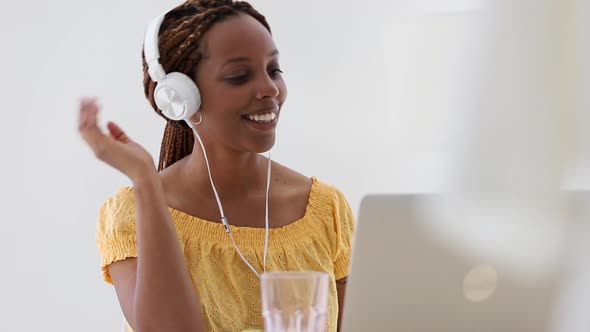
(115, 147)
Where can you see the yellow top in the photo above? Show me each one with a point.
(229, 291)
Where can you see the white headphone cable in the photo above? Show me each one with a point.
(266, 222)
(224, 220)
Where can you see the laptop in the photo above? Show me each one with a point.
(405, 277)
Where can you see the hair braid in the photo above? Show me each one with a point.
(204, 5)
(179, 42)
(177, 143)
(246, 8)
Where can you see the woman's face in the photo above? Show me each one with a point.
(241, 85)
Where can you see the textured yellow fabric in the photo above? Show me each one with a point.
(229, 291)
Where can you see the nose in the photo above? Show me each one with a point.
(267, 87)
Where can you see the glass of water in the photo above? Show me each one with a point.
(295, 301)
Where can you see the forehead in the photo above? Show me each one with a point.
(240, 35)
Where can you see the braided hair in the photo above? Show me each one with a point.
(179, 41)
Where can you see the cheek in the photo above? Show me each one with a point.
(227, 99)
(235, 99)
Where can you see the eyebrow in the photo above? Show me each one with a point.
(245, 58)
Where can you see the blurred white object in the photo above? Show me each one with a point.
(572, 308)
(572, 313)
(527, 139)
(503, 85)
(515, 146)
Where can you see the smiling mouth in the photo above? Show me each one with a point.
(261, 118)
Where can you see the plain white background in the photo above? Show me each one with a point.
(345, 121)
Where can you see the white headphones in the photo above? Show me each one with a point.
(176, 94)
(178, 97)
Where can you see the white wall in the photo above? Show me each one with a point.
(355, 117)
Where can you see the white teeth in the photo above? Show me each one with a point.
(268, 117)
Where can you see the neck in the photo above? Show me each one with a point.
(235, 174)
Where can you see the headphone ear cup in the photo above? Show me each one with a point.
(177, 96)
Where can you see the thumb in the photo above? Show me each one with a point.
(117, 133)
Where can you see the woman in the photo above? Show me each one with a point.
(173, 266)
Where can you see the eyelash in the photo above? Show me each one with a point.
(275, 73)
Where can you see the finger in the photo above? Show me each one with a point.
(87, 107)
(88, 125)
(117, 133)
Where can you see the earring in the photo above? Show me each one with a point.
(200, 118)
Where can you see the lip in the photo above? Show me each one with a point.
(264, 111)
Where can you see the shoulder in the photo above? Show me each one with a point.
(327, 197)
(284, 175)
(289, 183)
(118, 208)
(329, 191)
(289, 180)
(122, 198)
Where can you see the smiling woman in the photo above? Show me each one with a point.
(175, 263)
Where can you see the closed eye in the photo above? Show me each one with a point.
(238, 79)
(275, 73)
(243, 78)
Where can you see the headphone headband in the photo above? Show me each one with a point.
(151, 51)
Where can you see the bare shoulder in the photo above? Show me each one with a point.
(291, 191)
(290, 181)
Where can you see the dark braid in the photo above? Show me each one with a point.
(177, 143)
(205, 5)
(180, 34)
